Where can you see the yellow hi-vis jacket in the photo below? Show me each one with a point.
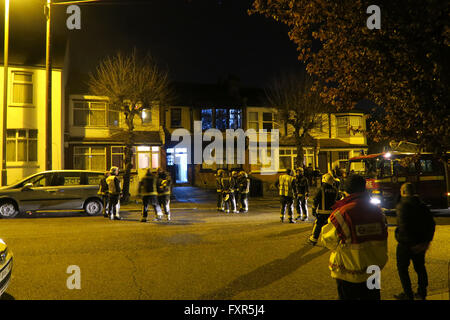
(285, 185)
(357, 235)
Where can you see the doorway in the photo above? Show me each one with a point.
(177, 158)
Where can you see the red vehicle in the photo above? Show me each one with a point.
(385, 173)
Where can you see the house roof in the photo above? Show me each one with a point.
(337, 143)
(309, 141)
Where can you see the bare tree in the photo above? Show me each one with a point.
(132, 83)
(298, 105)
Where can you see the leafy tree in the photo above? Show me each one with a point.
(402, 67)
(299, 106)
(132, 83)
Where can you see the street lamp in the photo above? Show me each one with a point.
(5, 95)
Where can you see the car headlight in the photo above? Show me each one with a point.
(2, 242)
(375, 200)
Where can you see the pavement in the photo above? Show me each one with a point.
(200, 254)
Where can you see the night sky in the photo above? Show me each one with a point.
(199, 40)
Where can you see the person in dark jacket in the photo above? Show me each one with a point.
(301, 192)
(323, 202)
(103, 192)
(244, 189)
(114, 192)
(148, 189)
(164, 185)
(414, 233)
(226, 183)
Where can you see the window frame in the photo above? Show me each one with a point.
(89, 155)
(14, 81)
(27, 140)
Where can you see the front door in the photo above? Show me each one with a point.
(147, 157)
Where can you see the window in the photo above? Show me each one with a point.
(343, 159)
(21, 145)
(147, 157)
(113, 115)
(426, 166)
(221, 119)
(146, 116)
(65, 179)
(89, 158)
(342, 126)
(253, 122)
(89, 113)
(267, 121)
(207, 118)
(22, 88)
(118, 157)
(288, 157)
(175, 118)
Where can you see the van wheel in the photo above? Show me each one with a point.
(93, 207)
(8, 209)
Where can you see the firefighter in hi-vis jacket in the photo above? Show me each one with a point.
(219, 175)
(325, 198)
(285, 185)
(149, 192)
(244, 189)
(114, 192)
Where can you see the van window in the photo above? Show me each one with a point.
(93, 179)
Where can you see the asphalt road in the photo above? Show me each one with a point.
(201, 254)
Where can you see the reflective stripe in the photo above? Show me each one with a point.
(343, 225)
(325, 211)
(429, 178)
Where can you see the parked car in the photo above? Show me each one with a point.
(53, 190)
(6, 263)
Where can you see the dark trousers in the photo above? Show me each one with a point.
(112, 204)
(153, 201)
(404, 256)
(105, 202)
(219, 201)
(164, 203)
(356, 291)
(227, 204)
(286, 202)
(301, 206)
(321, 220)
(243, 198)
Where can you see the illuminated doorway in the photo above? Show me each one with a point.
(177, 159)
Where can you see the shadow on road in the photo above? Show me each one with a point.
(290, 232)
(265, 275)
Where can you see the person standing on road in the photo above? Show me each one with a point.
(148, 189)
(244, 189)
(301, 191)
(357, 235)
(325, 198)
(103, 192)
(234, 194)
(114, 192)
(219, 175)
(225, 182)
(414, 233)
(164, 184)
(285, 186)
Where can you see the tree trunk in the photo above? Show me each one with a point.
(300, 155)
(128, 158)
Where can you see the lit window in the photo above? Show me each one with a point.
(146, 116)
(21, 145)
(342, 126)
(253, 121)
(89, 158)
(89, 113)
(22, 88)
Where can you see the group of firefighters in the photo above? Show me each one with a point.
(232, 191)
(155, 188)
